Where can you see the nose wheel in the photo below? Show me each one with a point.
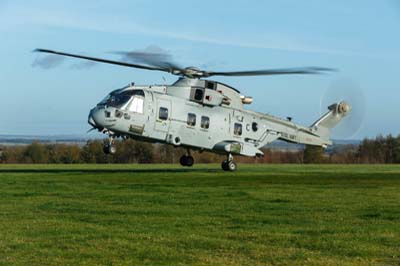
(186, 160)
(110, 147)
(229, 164)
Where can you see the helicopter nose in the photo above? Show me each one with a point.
(91, 121)
(96, 118)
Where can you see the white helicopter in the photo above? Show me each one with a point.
(200, 114)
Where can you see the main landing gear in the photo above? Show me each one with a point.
(187, 159)
(110, 147)
(229, 164)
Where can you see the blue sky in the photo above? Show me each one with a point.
(360, 38)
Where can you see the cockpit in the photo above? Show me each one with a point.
(131, 100)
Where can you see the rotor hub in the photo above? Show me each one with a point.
(343, 108)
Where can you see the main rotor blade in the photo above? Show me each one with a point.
(156, 59)
(163, 64)
(269, 72)
(101, 60)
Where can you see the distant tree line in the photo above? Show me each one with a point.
(378, 150)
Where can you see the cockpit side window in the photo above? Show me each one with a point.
(137, 105)
(118, 99)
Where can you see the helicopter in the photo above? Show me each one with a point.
(198, 113)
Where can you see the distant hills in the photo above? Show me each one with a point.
(28, 139)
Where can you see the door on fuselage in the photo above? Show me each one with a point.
(136, 114)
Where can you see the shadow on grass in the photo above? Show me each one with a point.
(94, 171)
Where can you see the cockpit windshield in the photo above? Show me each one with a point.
(119, 98)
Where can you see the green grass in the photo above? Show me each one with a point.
(168, 215)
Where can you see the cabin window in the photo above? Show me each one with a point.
(191, 119)
(210, 85)
(254, 126)
(163, 113)
(199, 94)
(237, 129)
(205, 122)
(137, 105)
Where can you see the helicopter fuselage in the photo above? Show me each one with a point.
(199, 114)
(196, 114)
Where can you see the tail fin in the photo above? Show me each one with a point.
(336, 113)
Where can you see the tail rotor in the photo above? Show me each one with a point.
(351, 100)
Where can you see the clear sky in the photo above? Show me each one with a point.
(359, 37)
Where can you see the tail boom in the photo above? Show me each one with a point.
(318, 134)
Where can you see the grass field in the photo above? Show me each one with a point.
(168, 215)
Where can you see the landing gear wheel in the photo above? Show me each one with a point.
(186, 160)
(232, 166)
(224, 165)
(189, 161)
(113, 149)
(110, 149)
(229, 164)
(182, 160)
